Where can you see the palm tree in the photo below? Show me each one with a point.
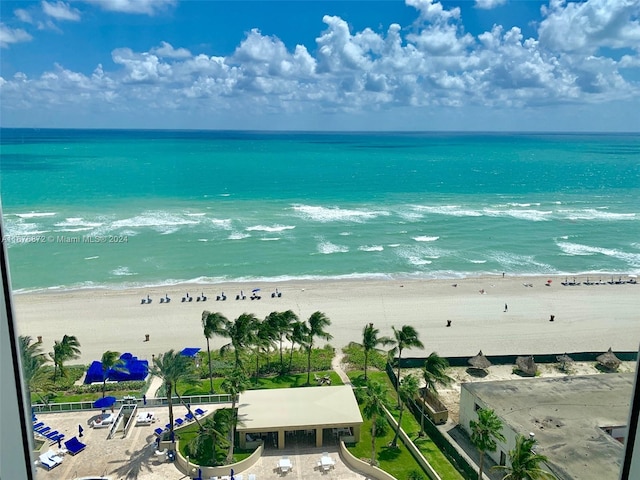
(212, 324)
(263, 339)
(172, 368)
(370, 342)
(282, 324)
(32, 359)
(525, 463)
(484, 434)
(241, 334)
(434, 372)
(408, 391)
(66, 349)
(373, 398)
(214, 429)
(406, 337)
(297, 336)
(234, 384)
(111, 361)
(317, 322)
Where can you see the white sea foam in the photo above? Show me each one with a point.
(79, 229)
(532, 215)
(344, 234)
(595, 214)
(270, 229)
(632, 259)
(196, 214)
(371, 248)
(515, 262)
(76, 222)
(424, 238)
(327, 248)
(92, 258)
(452, 210)
(35, 214)
(333, 214)
(121, 272)
(419, 261)
(238, 236)
(162, 222)
(393, 245)
(203, 239)
(478, 261)
(222, 223)
(270, 239)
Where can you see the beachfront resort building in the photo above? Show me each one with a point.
(313, 416)
(580, 422)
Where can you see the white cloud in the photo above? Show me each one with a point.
(489, 4)
(584, 27)
(146, 7)
(430, 66)
(23, 15)
(61, 11)
(12, 35)
(166, 50)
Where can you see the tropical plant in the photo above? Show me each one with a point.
(406, 337)
(484, 434)
(212, 324)
(373, 397)
(172, 367)
(434, 372)
(297, 337)
(264, 337)
(370, 342)
(408, 391)
(234, 384)
(282, 324)
(241, 334)
(111, 361)
(66, 349)
(318, 321)
(524, 463)
(213, 432)
(32, 359)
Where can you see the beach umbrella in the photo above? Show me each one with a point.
(104, 402)
(480, 361)
(255, 290)
(527, 365)
(608, 360)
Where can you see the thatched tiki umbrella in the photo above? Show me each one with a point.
(608, 360)
(480, 362)
(564, 361)
(527, 365)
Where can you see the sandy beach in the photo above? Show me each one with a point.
(587, 318)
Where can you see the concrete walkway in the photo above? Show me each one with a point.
(336, 365)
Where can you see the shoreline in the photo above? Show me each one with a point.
(207, 282)
(587, 318)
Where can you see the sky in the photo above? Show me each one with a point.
(365, 65)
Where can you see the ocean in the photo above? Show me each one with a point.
(122, 208)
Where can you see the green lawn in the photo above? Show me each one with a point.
(293, 380)
(410, 425)
(188, 433)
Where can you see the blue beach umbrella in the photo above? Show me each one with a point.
(104, 402)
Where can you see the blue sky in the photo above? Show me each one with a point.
(477, 65)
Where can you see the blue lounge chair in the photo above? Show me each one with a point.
(189, 417)
(44, 430)
(74, 446)
(179, 422)
(38, 425)
(60, 436)
(52, 434)
(159, 431)
(200, 412)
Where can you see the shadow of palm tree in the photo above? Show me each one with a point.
(388, 453)
(139, 461)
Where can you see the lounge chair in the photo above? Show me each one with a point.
(178, 422)
(52, 434)
(159, 431)
(38, 425)
(189, 417)
(74, 446)
(50, 459)
(200, 412)
(145, 418)
(43, 431)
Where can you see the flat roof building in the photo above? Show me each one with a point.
(579, 421)
(289, 410)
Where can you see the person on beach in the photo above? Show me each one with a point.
(506, 307)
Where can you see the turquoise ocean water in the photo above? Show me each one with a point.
(134, 208)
